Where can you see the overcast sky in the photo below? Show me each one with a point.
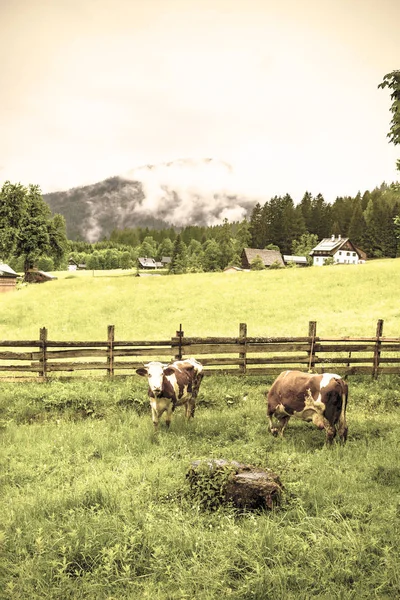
(283, 90)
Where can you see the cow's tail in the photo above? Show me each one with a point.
(342, 428)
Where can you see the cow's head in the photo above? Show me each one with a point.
(155, 372)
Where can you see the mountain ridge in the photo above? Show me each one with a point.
(176, 193)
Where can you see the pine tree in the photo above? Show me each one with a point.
(358, 226)
(179, 259)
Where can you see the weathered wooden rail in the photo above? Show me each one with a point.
(245, 355)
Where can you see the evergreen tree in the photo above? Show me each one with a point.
(321, 217)
(242, 236)
(306, 210)
(256, 227)
(179, 257)
(358, 226)
(226, 246)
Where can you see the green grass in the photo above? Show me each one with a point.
(94, 506)
(344, 300)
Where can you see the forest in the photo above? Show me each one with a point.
(370, 220)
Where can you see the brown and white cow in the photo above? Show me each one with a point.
(172, 385)
(321, 399)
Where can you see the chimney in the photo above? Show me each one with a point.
(339, 237)
(333, 237)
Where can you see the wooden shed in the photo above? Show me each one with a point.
(35, 276)
(299, 261)
(8, 278)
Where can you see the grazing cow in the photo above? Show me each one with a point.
(321, 399)
(172, 385)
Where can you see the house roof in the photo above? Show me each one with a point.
(300, 260)
(6, 271)
(33, 275)
(147, 262)
(165, 259)
(268, 257)
(329, 246)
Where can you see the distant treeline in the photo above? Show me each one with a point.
(370, 220)
(367, 219)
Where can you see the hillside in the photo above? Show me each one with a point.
(178, 193)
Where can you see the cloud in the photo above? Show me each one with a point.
(186, 191)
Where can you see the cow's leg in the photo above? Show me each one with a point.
(281, 416)
(283, 421)
(190, 408)
(168, 418)
(272, 428)
(342, 431)
(330, 434)
(154, 417)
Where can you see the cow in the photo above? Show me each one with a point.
(321, 399)
(172, 385)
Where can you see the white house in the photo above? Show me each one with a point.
(341, 250)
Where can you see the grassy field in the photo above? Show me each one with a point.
(94, 506)
(344, 300)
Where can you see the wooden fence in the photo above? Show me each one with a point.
(375, 355)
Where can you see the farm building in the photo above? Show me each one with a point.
(299, 261)
(165, 260)
(341, 250)
(269, 257)
(147, 263)
(35, 276)
(74, 266)
(8, 278)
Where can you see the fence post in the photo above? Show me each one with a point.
(242, 355)
(377, 350)
(110, 350)
(179, 335)
(312, 332)
(43, 348)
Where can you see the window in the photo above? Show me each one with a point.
(347, 253)
(340, 253)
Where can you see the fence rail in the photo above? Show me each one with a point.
(39, 359)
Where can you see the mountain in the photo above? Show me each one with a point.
(178, 193)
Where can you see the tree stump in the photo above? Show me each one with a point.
(218, 481)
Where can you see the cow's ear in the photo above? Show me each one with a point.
(168, 371)
(142, 371)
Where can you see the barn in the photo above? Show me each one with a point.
(269, 257)
(8, 278)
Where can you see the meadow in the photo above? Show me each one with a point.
(94, 506)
